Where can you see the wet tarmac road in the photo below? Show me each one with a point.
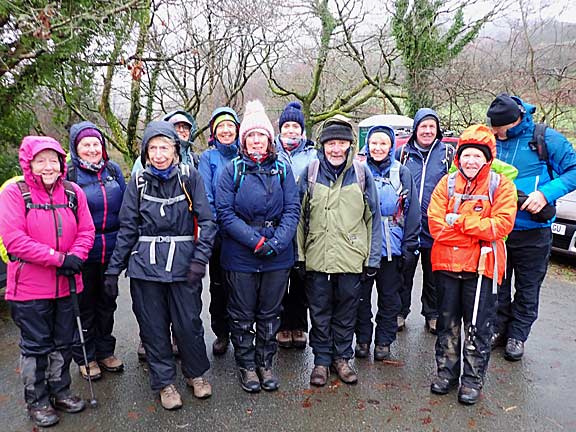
(532, 395)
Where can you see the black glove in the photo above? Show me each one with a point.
(196, 272)
(300, 269)
(544, 215)
(111, 285)
(368, 272)
(265, 250)
(408, 259)
(70, 266)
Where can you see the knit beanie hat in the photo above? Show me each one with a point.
(503, 110)
(255, 119)
(292, 112)
(336, 131)
(222, 118)
(88, 132)
(481, 147)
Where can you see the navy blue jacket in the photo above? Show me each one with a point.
(241, 215)
(426, 173)
(104, 191)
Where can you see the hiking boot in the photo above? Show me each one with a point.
(497, 340)
(141, 352)
(220, 345)
(249, 380)
(442, 386)
(70, 404)
(170, 398)
(284, 338)
(345, 372)
(468, 395)
(95, 372)
(319, 375)
(268, 380)
(175, 351)
(43, 415)
(381, 352)
(111, 364)
(201, 386)
(299, 340)
(431, 325)
(514, 349)
(401, 323)
(362, 350)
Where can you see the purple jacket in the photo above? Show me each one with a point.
(41, 238)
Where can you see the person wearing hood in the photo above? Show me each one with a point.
(186, 129)
(224, 145)
(165, 240)
(103, 183)
(428, 159)
(541, 181)
(47, 229)
(400, 211)
(471, 212)
(258, 208)
(296, 150)
(339, 245)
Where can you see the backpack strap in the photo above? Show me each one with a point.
(360, 174)
(71, 197)
(313, 168)
(404, 155)
(451, 184)
(72, 172)
(538, 144)
(239, 169)
(395, 176)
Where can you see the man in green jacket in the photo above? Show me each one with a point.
(339, 244)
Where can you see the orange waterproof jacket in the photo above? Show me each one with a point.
(483, 222)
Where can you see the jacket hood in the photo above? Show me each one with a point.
(479, 136)
(30, 147)
(420, 115)
(75, 130)
(217, 113)
(184, 145)
(387, 130)
(156, 128)
(527, 121)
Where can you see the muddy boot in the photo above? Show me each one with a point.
(362, 350)
(111, 364)
(345, 372)
(299, 340)
(284, 338)
(268, 380)
(381, 352)
(442, 386)
(249, 380)
(497, 340)
(514, 350)
(141, 352)
(43, 415)
(70, 404)
(319, 376)
(201, 387)
(95, 372)
(170, 398)
(431, 325)
(401, 323)
(468, 395)
(220, 345)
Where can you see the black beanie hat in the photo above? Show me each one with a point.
(337, 131)
(503, 110)
(484, 149)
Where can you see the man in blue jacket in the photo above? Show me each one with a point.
(528, 246)
(428, 159)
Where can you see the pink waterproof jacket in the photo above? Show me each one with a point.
(40, 238)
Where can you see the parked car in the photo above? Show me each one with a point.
(564, 228)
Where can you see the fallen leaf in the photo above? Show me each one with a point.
(249, 411)
(425, 410)
(309, 391)
(151, 408)
(472, 423)
(361, 405)
(394, 363)
(133, 415)
(306, 403)
(396, 408)
(426, 420)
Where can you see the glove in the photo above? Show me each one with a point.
(544, 215)
(111, 285)
(408, 259)
(368, 272)
(451, 218)
(265, 250)
(196, 272)
(70, 266)
(300, 269)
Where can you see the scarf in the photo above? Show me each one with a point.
(162, 174)
(89, 166)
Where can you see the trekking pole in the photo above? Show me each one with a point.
(470, 339)
(74, 294)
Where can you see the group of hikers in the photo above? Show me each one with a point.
(286, 228)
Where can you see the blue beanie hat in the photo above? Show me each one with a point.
(292, 112)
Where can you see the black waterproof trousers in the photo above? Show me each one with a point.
(295, 307)
(528, 254)
(333, 301)
(219, 318)
(97, 312)
(255, 298)
(429, 295)
(388, 283)
(456, 305)
(47, 330)
(156, 305)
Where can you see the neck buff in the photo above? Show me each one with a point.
(91, 166)
(163, 174)
(290, 144)
(258, 157)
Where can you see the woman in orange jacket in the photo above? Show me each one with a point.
(471, 212)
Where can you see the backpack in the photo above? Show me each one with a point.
(72, 172)
(72, 203)
(183, 177)
(240, 171)
(538, 144)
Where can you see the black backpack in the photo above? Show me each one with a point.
(538, 144)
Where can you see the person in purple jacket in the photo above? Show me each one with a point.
(48, 240)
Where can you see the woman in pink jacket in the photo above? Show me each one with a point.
(47, 229)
